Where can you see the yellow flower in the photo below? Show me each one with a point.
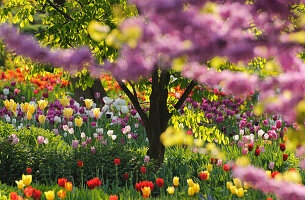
(68, 186)
(61, 194)
(190, 182)
(88, 103)
(237, 182)
(19, 184)
(170, 190)
(268, 173)
(176, 181)
(64, 101)
(240, 192)
(190, 191)
(196, 188)
(41, 119)
(26, 179)
(96, 112)
(24, 107)
(31, 108)
(50, 195)
(229, 184)
(233, 189)
(210, 168)
(247, 185)
(29, 115)
(11, 105)
(79, 121)
(42, 104)
(285, 138)
(68, 112)
(146, 192)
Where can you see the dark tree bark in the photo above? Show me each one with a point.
(157, 121)
(89, 93)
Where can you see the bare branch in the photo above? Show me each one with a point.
(60, 11)
(186, 93)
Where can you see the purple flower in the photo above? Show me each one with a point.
(93, 150)
(93, 124)
(219, 119)
(75, 144)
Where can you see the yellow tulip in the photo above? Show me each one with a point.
(31, 108)
(170, 190)
(247, 185)
(26, 179)
(233, 189)
(190, 191)
(146, 192)
(64, 101)
(29, 115)
(229, 184)
(41, 119)
(7, 104)
(19, 184)
(196, 188)
(240, 192)
(50, 195)
(11, 105)
(176, 181)
(68, 112)
(190, 182)
(42, 104)
(210, 168)
(61, 194)
(237, 182)
(79, 121)
(88, 103)
(96, 112)
(24, 107)
(268, 173)
(68, 186)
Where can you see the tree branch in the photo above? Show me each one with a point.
(60, 11)
(133, 89)
(186, 93)
(134, 101)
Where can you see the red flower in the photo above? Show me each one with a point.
(28, 170)
(226, 167)
(138, 187)
(93, 183)
(28, 192)
(147, 184)
(117, 161)
(80, 164)
(203, 176)
(250, 147)
(283, 147)
(292, 169)
(273, 174)
(143, 170)
(35, 91)
(126, 176)
(257, 152)
(36, 194)
(14, 196)
(113, 197)
(269, 198)
(285, 157)
(62, 182)
(214, 160)
(45, 95)
(160, 182)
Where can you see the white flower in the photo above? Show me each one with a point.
(266, 136)
(21, 125)
(260, 133)
(65, 134)
(181, 125)
(14, 121)
(113, 137)
(129, 136)
(124, 109)
(136, 125)
(57, 119)
(8, 119)
(82, 135)
(91, 114)
(237, 116)
(235, 137)
(99, 130)
(146, 140)
(105, 108)
(95, 135)
(46, 141)
(241, 132)
(93, 105)
(122, 102)
(70, 124)
(65, 127)
(6, 91)
(77, 105)
(110, 133)
(251, 136)
(137, 116)
(71, 131)
(107, 100)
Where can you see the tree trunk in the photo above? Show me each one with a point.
(89, 93)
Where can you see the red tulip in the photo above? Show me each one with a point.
(160, 182)
(126, 176)
(138, 187)
(203, 176)
(80, 164)
(36, 194)
(143, 170)
(62, 182)
(226, 167)
(113, 197)
(250, 147)
(117, 161)
(257, 152)
(273, 174)
(28, 192)
(283, 146)
(285, 157)
(28, 170)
